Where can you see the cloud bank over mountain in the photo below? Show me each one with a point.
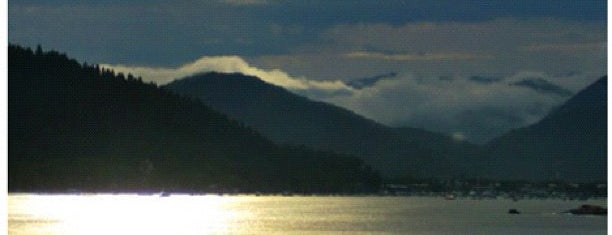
(458, 106)
(225, 64)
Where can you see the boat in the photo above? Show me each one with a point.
(514, 211)
(589, 210)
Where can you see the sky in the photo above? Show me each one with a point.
(470, 69)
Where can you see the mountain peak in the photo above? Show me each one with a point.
(570, 143)
(80, 127)
(287, 118)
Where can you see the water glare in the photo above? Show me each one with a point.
(119, 214)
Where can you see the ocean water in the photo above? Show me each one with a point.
(212, 214)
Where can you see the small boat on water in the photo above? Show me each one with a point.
(450, 196)
(164, 194)
(514, 211)
(589, 210)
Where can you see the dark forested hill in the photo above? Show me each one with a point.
(570, 143)
(287, 118)
(78, 126)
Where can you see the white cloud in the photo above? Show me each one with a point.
(226, 64)
(458, 106)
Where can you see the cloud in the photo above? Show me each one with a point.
(466, 39)
(226, 64)
(419, 56)
(495, 48)
(474, 107)
(460, 107)
(566, 47)
(245, 2)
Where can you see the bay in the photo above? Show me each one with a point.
(213, 214)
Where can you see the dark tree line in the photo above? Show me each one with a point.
(80, 126)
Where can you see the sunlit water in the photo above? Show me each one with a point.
(183, 214)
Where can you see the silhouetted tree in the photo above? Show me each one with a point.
(76, 125)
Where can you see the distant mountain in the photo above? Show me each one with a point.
(544, 86)
(287, 118)
(370, 81)
(570, 143)
(76, 126)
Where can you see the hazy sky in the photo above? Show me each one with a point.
(471, 69)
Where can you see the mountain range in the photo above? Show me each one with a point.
(569, 144)
(287, 118)
(79, 126)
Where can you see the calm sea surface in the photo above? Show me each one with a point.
(183, 214)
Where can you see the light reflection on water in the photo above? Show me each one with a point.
(183, 214)
(119, 214)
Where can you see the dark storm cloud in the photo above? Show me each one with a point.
(321, 12)
(159, 33)
(164, 32)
